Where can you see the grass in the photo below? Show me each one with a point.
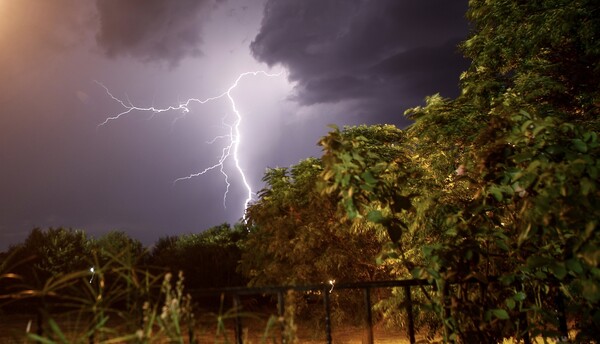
(119, 303)
(114, 303)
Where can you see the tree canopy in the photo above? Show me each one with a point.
(296, 235)
(501, 181)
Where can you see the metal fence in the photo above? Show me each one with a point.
(366, 287)
(325, 290)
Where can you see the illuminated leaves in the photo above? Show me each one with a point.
(299, 235)
(504, 179)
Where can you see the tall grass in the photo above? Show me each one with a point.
(116, 302)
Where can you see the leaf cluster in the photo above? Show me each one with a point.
(501, 183)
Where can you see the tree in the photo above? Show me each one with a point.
(207, 259)
(508, 174)
(544, 52)
(51, 252)
(298, 236)
(117, 245)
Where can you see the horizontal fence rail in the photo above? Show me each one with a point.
(325, 289)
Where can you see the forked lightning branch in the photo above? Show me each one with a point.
(229, 151)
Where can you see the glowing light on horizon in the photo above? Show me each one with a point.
(230, 150)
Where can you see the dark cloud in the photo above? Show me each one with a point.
(389, 54)
(152, 29)
(59, 168)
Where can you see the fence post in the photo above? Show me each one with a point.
(40, 322)
(526, 338)
(368, 315)
(281, 314)
(238, 319)
(445, 309)
(327, 313)
(410, 315)
(562, 316)
(523, 320)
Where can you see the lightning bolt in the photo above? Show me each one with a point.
(229, 151)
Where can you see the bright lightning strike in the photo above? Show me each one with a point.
(230, 150)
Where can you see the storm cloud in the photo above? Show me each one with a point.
(350, 62)
(152, 30)
(387, 54)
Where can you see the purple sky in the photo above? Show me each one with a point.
(343, 62)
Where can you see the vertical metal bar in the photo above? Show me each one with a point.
(281, 314)
(445, 299)
(40, 322)
(562, 316)
(368, 315)
(410, 315)
(523, 321)
(445, 310)
(482, 299)
(526, 338)
(238, 319)
(191, 338)
(327, 313)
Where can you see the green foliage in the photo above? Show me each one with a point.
(544, 195)
(118, 244)
(119, 301)
(373, 171)
(160, 312)
(502, 181)
(545, 51)
(50, 252)
(296, 235)
(173, 318)
(208, 259)
(355, 156)
(299, 236)
(114, 289)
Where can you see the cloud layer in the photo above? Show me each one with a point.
(353, 61)
(152, 30)
(388, 54)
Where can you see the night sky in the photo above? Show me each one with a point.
(343, 62)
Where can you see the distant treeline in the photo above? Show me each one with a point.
(207, 259)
